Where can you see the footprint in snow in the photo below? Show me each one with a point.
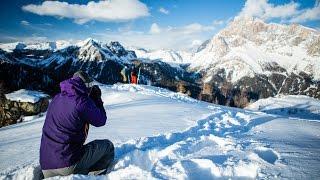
(267, 154)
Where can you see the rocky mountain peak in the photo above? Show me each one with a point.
(247, 46)
(90, 50)
(117, 48)
(259, 32)
(244, 26)
(89, 42)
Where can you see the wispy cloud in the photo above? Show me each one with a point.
(24, 23)
(188, 29)
(265, 10)
(163, 10)
(34, 27)
(308, 14)
(160, 37)
(109, 10)
(218, 22)
(288, 12)
(33, 38)
(154, 29)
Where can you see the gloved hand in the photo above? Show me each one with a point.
(95, 95)
(95, 92)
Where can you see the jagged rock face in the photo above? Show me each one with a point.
(15, 76)
(158, 73)
(314, 48)
(250, 89)
(12, 112)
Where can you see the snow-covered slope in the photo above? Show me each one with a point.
(289, 105)
(23, 95)
(169, 56)
(164, 135)
(248, 46)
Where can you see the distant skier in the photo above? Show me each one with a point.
(62, 150)
(124, 73)
(134, 77)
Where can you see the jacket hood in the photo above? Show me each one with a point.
(73, 86)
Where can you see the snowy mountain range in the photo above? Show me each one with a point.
(54, 45)
(249, 46)
(254, 58)
(246, 61)
(45, 68)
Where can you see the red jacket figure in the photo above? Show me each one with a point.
(134, 78)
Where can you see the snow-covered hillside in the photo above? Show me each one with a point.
(169, 56)
(160, 134)
(289, 105)
(23, 95)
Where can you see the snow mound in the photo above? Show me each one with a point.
(148, 90)
(24, 95)
(299, 106)
(267, 154)
(189, 154)
(169, 56)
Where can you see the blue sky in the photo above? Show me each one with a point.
(175, 24)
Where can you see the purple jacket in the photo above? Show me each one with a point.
(63, 133)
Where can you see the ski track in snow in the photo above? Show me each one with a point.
(181, 154)
(220, 145)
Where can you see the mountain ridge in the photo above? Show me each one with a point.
(246, 61)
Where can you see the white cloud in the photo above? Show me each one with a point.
(155, 29)
(164, 11)
(25, 23)
(218, 22)
(308, 14)
(108, 10)
(183, 30)
(33, 38)
(265, 10)
(289, 12)
(162, 37)
(196, 43)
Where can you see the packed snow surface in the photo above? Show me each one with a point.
(164, 55)
(289, 105)
(159, 134)
(24, 95)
